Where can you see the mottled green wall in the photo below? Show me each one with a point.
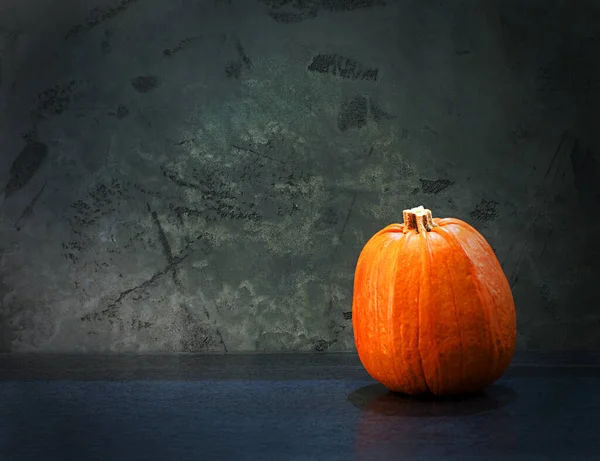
(201, 175)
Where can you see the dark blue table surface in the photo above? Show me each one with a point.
(284, 407)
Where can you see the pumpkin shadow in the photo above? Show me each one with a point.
(376, 398)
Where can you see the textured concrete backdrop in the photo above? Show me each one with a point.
(200, 175)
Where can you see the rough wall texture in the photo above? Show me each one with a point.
(200, 175)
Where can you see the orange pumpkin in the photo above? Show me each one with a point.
(432, 309)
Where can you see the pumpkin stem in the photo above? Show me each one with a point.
(418, 219)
